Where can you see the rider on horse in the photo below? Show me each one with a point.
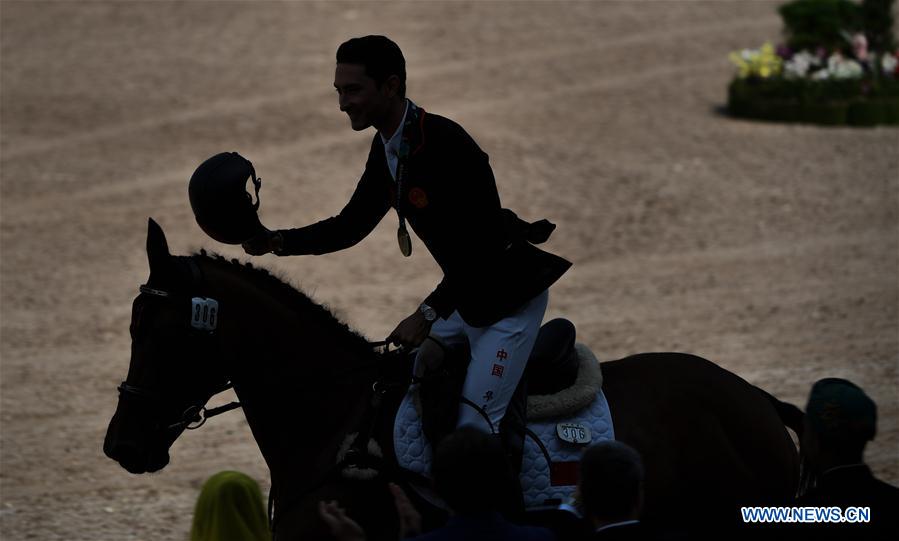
(494, 291)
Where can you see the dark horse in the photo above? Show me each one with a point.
(710, 441)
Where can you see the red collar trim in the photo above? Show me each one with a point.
(421, 129)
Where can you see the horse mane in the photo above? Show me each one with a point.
(293, 297)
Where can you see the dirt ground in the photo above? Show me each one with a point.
(770, 249)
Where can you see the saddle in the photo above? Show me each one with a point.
(557, 409)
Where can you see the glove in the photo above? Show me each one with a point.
(263, 243)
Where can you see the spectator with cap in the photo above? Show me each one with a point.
(840, 419)
(230, 508)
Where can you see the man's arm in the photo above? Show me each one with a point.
(413, 330)
(366, 208)
(441, 300)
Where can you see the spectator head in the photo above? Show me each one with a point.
(471, 471)
(611, 483)
(840, 420)
(230, 508)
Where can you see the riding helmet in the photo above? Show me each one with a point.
(221, 204)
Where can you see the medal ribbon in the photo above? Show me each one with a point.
(402, 234)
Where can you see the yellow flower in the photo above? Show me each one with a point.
(763, 62)
(742, 65)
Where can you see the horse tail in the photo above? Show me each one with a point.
(794, 419)
(791, 416)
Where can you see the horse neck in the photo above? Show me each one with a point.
(300, 377)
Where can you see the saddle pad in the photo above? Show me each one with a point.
(414, 453)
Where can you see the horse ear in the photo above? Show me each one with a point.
(157, 247)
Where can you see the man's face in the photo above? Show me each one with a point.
(359, 96)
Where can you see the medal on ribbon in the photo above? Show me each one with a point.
(404, 240)
(402, 234)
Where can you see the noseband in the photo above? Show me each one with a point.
(193, 417)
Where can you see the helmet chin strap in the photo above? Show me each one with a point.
(257, 182)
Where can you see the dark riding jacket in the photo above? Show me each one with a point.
(450, 199)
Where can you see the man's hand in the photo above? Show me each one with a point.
(342, 527)
(412, 331)
(410, 518)
(261, 244)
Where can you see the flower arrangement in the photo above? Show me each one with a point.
(767, 62)
(828, 72)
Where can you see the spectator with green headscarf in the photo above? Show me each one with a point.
(230, 508)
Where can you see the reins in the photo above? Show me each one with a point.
(357, 455)
(193, 417)
(201, 415)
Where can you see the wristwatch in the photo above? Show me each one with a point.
(276, 241)
(429, 313)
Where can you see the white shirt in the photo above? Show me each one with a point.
(392, 145)
(615, 524)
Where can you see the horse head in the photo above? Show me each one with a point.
(304, 378)
(171, 375)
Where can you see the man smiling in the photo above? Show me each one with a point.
(495, 286)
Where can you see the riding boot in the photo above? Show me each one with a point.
(511, 433)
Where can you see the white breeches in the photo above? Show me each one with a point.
(499, 354)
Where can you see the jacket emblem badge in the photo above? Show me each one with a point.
(418, 198)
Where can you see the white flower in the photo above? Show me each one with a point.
(843, 68)
(798, 66)
(888, 62)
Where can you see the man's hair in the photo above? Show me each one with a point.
(611, 479)
(380, 56)
(471, 471)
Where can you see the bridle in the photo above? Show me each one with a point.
(193, 417)
(203, 323)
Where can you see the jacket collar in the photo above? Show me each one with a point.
(417, 128)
